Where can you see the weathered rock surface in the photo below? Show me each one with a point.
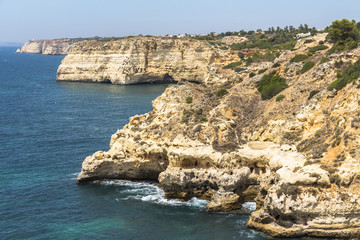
(142, 59)
(48, 47)
(229, 40)
(298, 158)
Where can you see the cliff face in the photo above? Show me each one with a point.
(298, 158)
(47, 47)
(141, 59)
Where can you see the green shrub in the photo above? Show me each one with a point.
(294, 136)
(276, 65)
(280, 97)
(270, 85)
(262, 71)
(239, 69)
(342, 46)
(337, 84)
(321, 42)
(339, 63)
(252, 74)
(241, 55)
(315, 145)
(209, 38)
(232, 65)
(221, 92)
(224, 48)
(308, 41)
(349, 74)
(270, 56)
(313, 93)
(248, 61)
(307, 66)
(280, 40)
(324, 60)
(186, 115)
(189, 100)
(203, 119)
(298, 58)
(317, 48)
(258, 57)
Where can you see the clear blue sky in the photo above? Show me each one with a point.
(21, 20)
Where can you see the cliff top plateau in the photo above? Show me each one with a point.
(51, 46)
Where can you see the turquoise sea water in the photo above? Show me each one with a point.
(47, 128)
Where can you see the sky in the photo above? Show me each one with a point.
(22, 20)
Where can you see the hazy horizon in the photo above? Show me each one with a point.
(22, 20)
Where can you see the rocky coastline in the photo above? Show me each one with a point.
(48, 47)
(136, 60)
(214, 137)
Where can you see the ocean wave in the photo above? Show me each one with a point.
(149, 192)
(250, 206)
(73, 176)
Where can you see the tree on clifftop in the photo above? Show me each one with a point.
(341, 30)
(344, 34)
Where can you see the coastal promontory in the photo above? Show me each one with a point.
(279, 127)
(135, 60)
(48, 47)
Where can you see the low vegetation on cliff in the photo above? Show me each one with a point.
(349, 75)
(270, 85)
(276, 124)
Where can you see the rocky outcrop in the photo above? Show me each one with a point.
(48, 47)
(135, 60)
(297, 158)
(230, 40)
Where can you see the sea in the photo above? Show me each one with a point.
(47, 128)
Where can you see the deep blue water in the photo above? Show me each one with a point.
(47, 128)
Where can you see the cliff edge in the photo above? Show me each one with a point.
(135, 60)
(296, 154)
(48, 47)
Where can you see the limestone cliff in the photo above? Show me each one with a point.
(297, 156)
(142, 59)
(48, 47)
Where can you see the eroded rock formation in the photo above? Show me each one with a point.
(135, 60)
(48, 47)
(298, 158)
(230, 40)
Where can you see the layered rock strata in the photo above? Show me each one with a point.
(135, 60)
(48, 47)
(297, 158)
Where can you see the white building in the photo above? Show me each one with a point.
(301, 35)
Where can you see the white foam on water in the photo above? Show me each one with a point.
(149, 192)
(251, 206)
(73, 176)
